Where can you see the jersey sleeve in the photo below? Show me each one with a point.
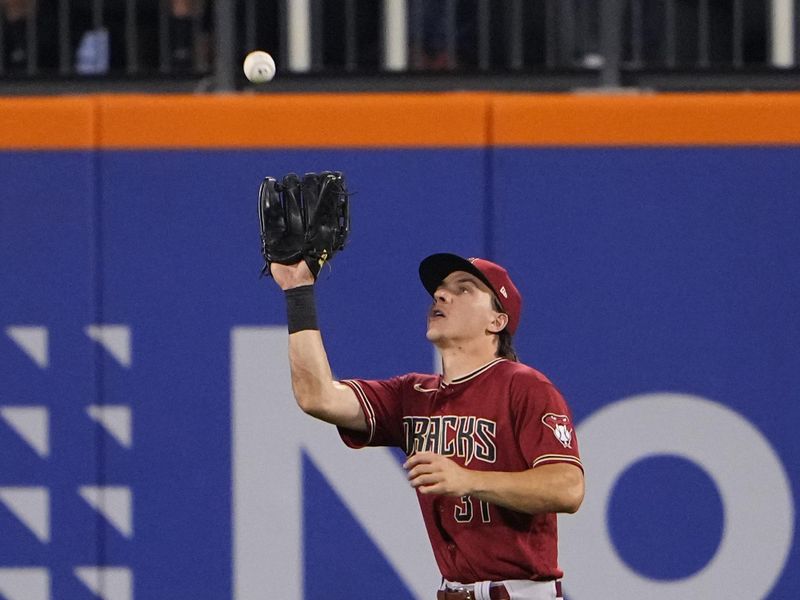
(544, 425)
(382, 403)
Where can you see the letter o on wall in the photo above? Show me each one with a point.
(753, 485)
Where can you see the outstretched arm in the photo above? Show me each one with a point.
(315, 391)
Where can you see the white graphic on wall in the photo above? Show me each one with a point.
(108, 583)
(269, 433)
(115, 503)
(31, 505)
(116, 420)
(32, 424)
(25, 583)
(749, 476)
(33, 341)
(115, 339)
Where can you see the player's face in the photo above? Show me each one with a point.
(462, 310)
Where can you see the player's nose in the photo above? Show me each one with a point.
(441, 295)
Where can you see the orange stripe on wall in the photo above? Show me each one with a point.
(294, 121)
(646, 120)
(398, 120)
(47, 123)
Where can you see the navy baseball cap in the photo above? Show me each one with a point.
(434, 269)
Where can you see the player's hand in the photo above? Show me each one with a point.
(432, 473)
(291, 276)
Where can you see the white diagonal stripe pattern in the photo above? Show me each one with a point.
(32, 424)
(115, 503)
(116, 339)
(31, 505)
(109, 583)
(24, 583)
(115, 419)
(33, 341)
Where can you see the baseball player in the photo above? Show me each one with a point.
(492, 452)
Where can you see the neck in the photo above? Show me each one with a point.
(461, 359)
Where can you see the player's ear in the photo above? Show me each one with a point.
(498, 323)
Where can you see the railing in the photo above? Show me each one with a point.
(609, 43)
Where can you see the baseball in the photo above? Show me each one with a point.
(259, 66)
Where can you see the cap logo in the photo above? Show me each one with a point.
(504, 292)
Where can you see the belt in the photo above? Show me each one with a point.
(497, 592)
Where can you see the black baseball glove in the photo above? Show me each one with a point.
(303, 220)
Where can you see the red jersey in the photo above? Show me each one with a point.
(505, 416)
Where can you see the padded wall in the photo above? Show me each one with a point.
(148, 441)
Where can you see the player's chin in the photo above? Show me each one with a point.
(434, 334)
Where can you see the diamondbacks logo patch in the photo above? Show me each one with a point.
(561, 428)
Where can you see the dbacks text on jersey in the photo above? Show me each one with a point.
(451, 435)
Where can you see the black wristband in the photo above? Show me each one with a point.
(301, 311)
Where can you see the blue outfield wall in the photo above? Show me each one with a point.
(666, 270)
(47, 284)
(130, 279)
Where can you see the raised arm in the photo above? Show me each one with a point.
(315, 390)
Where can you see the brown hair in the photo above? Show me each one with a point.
(505, 341)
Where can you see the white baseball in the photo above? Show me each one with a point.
(259, 66)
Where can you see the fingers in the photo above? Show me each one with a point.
(437, 489)
(291, 276)
(420, 458)
(419, 465)
(431, 473)
(428, 483)
(425, 473)
(426, 479)
(431, 483)
(420, 470)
